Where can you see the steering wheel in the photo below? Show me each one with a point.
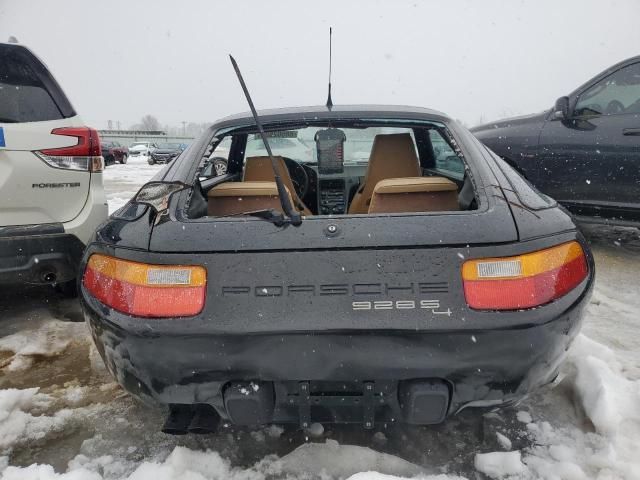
(615, 107)
(299, 176)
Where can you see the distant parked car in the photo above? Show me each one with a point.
(141, 149)
(584, 152)
(215, 166)
(164, 153)
(113, 152)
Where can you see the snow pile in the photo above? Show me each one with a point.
(610, 402)
(311, 461)
(46, 472)
(503, 441)
(75, 394)
(341, 461)
(19, 425)
(51, 339)
(499, 464)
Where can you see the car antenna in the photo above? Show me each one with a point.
(329, 102)
(294, 217)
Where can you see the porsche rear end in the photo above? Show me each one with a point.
(351, 323)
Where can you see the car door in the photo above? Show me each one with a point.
(591, 161)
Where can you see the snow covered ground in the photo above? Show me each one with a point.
(121, 182)
(62, 417)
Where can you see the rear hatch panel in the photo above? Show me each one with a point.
(32, 105)
(400, 272)
(491, 223)
(32, 191)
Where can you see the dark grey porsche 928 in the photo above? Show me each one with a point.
(424, 277)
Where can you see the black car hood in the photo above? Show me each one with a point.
(513, 121)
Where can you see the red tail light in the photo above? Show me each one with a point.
(146, 290)
(84, 155)
(525, 281)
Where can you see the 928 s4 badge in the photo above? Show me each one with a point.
(431, 305)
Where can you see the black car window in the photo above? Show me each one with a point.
(446, 159)
(23, 95)
(617, 94)
(215, 163)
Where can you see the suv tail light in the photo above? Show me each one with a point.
(146, 290)
(85, 155)
(525, 281)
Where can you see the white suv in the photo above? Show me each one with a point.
(51, 195)
(142, 149)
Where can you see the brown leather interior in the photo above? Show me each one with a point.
(234, 198)
(258, 169)
(415, 194)
(392, 156)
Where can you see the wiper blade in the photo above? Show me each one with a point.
(270, 215)
(294, 216)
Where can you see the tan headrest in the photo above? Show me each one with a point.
(392, 156)
(259, 169)
(415, 184)
(237, 198)
(414, 194)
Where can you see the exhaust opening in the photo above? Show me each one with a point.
(49, 277)
(178, 419)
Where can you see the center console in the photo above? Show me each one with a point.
(332, 197)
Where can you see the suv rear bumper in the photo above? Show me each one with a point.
(38, 254)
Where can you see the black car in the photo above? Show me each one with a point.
(165, 152)
(413, 285)
(584, 152)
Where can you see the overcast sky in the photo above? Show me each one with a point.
(118, 59)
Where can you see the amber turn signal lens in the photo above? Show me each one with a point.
(524, 281)
(146, 290)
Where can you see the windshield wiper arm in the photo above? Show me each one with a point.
(270, 215)
(291, 214)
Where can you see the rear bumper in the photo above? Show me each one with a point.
(37, 256)
(483, 368)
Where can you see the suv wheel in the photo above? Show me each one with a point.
(123, 160)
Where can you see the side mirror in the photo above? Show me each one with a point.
(157, 194)
(561, 109)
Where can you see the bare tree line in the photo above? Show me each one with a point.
(187, 129)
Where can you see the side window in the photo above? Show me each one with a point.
(447, 160)
(216, 163)
(617, 94)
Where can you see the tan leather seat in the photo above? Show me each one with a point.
(235, 198)
(258, 169)
(392, 156)
(415, 194)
